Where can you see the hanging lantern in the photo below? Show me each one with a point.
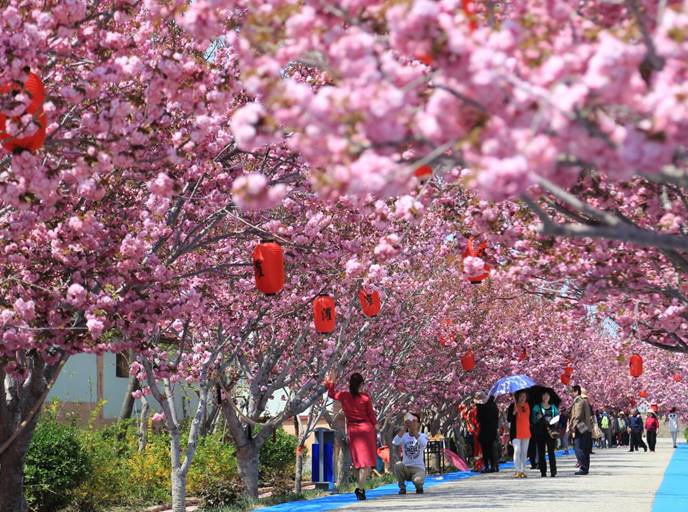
(468, 361)
(268, 266)
(370, 302)
(423, 172)
(643, 394)
(565, 379)
(34, 88)
(324, 314)
(443, 340)
(677, 377)
(477, 252)
(523, 355)
(568, 370)
(468, 7)
(636, 366)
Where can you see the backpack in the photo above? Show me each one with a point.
(604, 422)
(622, 424)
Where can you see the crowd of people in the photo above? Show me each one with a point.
(531, 429)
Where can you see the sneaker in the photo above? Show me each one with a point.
(402, 490)
(419, 489)
(581, 473)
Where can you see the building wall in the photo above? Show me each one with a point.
(86, 379)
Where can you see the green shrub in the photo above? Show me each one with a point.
(278, 456)
(56, 464)
(222, 493)
(214, 465)
(109, 483)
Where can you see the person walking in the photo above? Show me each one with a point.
(520, 419)
(635, 429)
(606, 426)
(651, 427)
(672, 419)
(488, 421)
(623, 430)
(412, 443)
(542, 414)
(564, 431)
(580, 426)
(360, 426)
(614, 431)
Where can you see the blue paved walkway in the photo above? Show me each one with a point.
(335, 501)
(672, 495)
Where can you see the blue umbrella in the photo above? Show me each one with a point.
(511, 385)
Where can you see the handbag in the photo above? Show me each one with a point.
(582, 427)
(596, 431)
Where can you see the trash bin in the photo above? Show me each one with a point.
(323, 458)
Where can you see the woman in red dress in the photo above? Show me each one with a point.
(360, 427)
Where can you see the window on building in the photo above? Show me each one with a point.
(122, 365)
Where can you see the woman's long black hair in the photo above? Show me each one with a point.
(355, 382)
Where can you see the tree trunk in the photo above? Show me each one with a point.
(343, 461)
(178, 490)
(298, 471)
(143, 425)
(128, 401)
(177, 476)
(247, 462)
(12, 472)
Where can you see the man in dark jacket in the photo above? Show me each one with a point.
(636, 428)
(488, 419)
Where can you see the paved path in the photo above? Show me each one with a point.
(619, 481)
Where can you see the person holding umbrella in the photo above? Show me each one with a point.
(542, 415)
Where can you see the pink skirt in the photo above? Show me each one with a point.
(362, 443)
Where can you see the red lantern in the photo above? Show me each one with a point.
(565, 379)
(568, 370)
(636, 366)
(268, 266)
(677, 377)
(468, 7)
(443, 341)
(425, 58)
(34, 88)
(523, 355)
(324, 314)
(468, 361)
(423, 172)
(477, 252)
(643, 394)
(370, 302)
